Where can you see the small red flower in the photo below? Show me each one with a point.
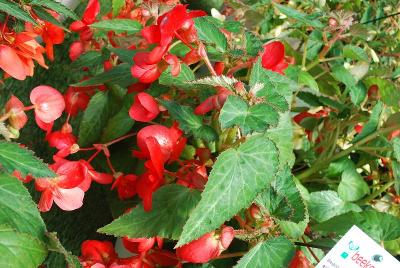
(146, 185)
(207, 247)
(213, 102)
(98, 252)
(144, 108)
(273, 57)
(126, 186)
(75, 100)
(63, 140)
(49, 103)
(140, 245)
(15, 108)
(75, 50)
(57, 190)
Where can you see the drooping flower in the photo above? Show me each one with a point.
(144, 108)
(15, 108)
(126, 186)
(48, 102)
(75, 100)
(97, 252)
(207, 247)
(273, 57)
(63, 140)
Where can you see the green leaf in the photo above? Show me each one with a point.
(20, 250)
(119, 124)
(306, 79)
(380, 226)
(215, 81)
(283, 199)
(125, 55)
(275, 88)
(389, 93)
(172, 205)
(237, 177)
(352, 187)
(189, 122)
(358, 93)
(45, 15)
(355, 53)
(118, 25)
(17, 209)
(282, 136)
(117, 5)
(396, 148)
(253, 44)
(301, 17)
(372, 124)
(254, 118)
(120, 74)
(16, 11)
(57, 7)
(324, 205)
(14, 157)
(208, 32)
(94, 119)
(396, 175)
(89, 59)
(54, 244)
(179, 81)
(273, 253)
(342, 75)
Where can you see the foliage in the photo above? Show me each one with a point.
(227, 133)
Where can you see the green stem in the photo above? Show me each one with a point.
(316, 168)
(375, 194)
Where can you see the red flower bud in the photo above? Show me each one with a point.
(273, 57)
(207, 247)
(15, 108)
(144, 108)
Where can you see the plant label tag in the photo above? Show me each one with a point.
(357, 250)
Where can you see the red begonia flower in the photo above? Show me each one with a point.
(63, 140)
(207, 247)
(75, 100)
(101, 252)
(75, 50)
(49, 103)
(68, 199)
(144, 108)
(192, 175)
(273, 57)
(143, 70)
(213, 102)
(146, 185)
(140, 245)
(44, 126)
(15, 108)
(11, 63)
(126, 186)
(300, 261)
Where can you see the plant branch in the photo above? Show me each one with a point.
(321, 165)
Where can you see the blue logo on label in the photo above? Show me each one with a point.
(344, 255)
(353, 246)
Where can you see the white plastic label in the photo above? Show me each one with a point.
(357, 250)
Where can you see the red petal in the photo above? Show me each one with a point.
(102, 178)
(11, 63)
(227, 235)
(151, 34)
(91, 11)
(274, 53)
(144, 108)
(46, 201)
(18, 118)
(45, 126)
(49, 103)
(75, 50)
(201, 250)
(69, 199)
